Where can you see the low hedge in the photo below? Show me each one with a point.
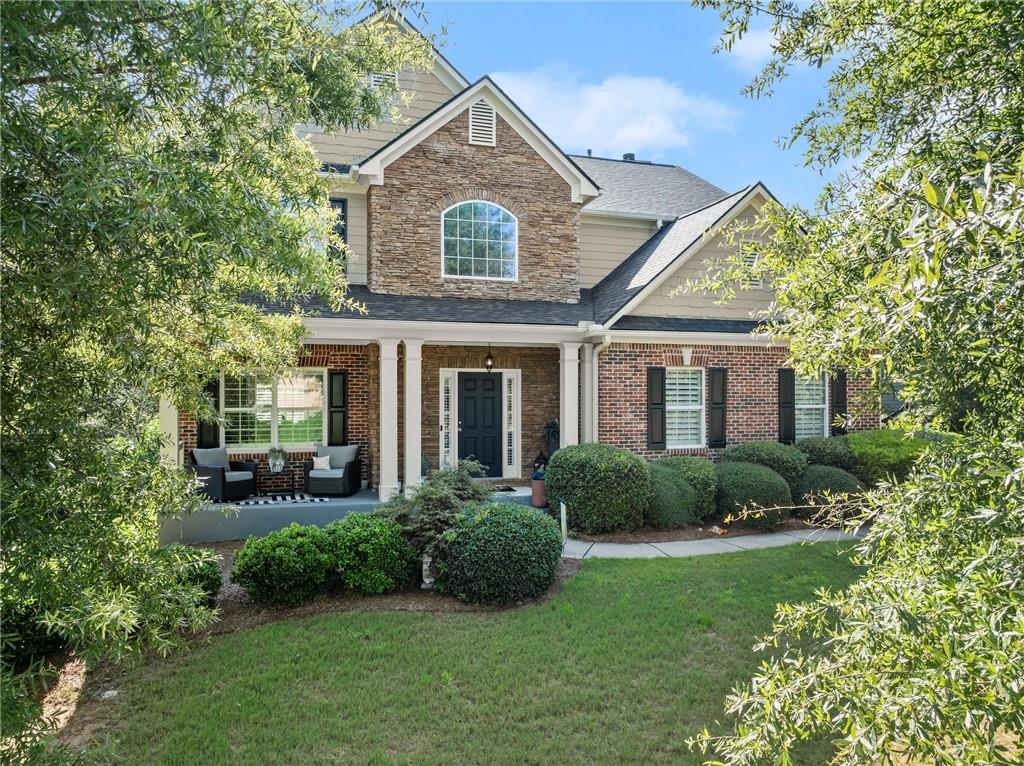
(699, 473)
(498, 553)
(604, 488)
(673, 501)
(286, 567)
(196, 566)
(827, 450)
(884, 454)
(787, 461)
(370, 553)
(743, 485)
(821, 479)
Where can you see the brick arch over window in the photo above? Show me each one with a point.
(483, 195)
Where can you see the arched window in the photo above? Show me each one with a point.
(479, 241)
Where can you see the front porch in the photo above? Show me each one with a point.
(217, 522)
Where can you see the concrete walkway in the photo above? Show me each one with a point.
(580, 549)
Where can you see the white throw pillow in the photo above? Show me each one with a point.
(322, 463)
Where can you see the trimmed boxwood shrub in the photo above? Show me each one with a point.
(287, 567)
(370, 552)
(673, 500)
(819, 479)
(604, 488)
(787, 461)
(884, 454)
(699, 473)
(196, 566)
(742, 485)
(827, 450)
(498, 553)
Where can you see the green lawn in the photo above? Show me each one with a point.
(620, 667)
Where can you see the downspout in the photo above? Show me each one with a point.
(606, 341)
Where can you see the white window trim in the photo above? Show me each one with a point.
(515, 240)
(827, 406)
(703, 410)
(258, 449)
(509, 470)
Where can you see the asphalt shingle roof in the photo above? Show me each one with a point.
(646, 188)
(685, 324)
(654, 256)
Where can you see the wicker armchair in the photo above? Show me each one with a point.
(222, 479)
(343, 478)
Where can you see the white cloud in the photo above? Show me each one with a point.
(646, 115)
(752, 51)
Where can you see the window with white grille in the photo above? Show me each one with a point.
(510, 421)
(684, 407)
(482, 123)
(447, 384)
(287, 410)
(810, 407)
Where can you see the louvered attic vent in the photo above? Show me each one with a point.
(481, 123)
(377, 79)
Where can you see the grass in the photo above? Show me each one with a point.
(630, 659)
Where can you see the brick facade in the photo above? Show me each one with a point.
(752, 412)
(404, 217)
(363, 425)
(539, 381)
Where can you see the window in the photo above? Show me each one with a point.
(684, 407)
(287, 410)
(479, 241)
(482, 124)
(341, 218)
(810, 407)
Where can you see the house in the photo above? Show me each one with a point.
(509, 285)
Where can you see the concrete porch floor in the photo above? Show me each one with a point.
(217, 522)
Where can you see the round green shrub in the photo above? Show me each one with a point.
(699, 473)
(786, 460)
(370, 552)
(196, 566)
(604, 488)
(827, 450)
(673, 500)
(498, 553)
(744, 485)
(287, 567)
(884, 454)
(821, 479)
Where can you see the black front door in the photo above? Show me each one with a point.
(480, 419)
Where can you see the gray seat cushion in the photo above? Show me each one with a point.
(237, 475)
(215, 457)
(327, 473)
(340, 456)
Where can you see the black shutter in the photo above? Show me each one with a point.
(716, 407)
(341, 218)
(839, 405)
(209, 433)
(337, 408)
(787, 406)
(655, 408)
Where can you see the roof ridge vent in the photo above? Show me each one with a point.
(482, 123)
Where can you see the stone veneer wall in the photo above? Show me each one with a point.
(404, 217)
(752, 410)
(361, 363)
(539, 381)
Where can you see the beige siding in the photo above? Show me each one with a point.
(423, 92)
(356, 231)
(606, 242)
(694, 304)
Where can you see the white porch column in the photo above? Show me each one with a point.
(169, 432)
(568, 394)
(587, 394)
(388, 485)
(413, 413)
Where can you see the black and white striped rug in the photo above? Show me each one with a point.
(283, 499)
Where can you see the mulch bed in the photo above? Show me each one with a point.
(691, 532)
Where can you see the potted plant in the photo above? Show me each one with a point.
(539, 497)
(552, 434)
(276, 458)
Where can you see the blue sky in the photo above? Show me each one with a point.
(618, 77)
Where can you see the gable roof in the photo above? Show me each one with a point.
(670, 247)
(582, 185)
(449, 76)
(646, 188)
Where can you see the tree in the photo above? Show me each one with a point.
(911, 269)
(153, 181)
